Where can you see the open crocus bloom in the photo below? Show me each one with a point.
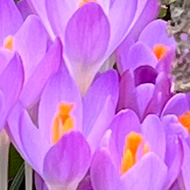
(156, 52)
(137, 156)
(58, 146)
(89, 30)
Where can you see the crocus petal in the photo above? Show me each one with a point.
(120, 16)
(11, 82)
(47, 67)
(59, 12)
(39, 182)
(86, 40)
(102, 172)
(139, 55)
(127, 92)
(32, 35)
(185, 169)
(24, 8)
(157, 31)
(85, 184)
(148, 173)
(124, 122)
(176, 105)
(10, 19)
(64, 91)
(144, 95)
(174, 148)
(154, 133)
(144, 8)
(105, 85)
(34, 142)
(67, 162)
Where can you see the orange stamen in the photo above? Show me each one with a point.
(82, 2)
(160, 50)
(8, 43)
(133, 142)
(185, 120)
(63, 122)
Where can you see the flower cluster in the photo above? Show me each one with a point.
(85, 93)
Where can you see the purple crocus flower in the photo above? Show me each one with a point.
(145, 98)
(137, 156)
(89, 30)
(68, 127)
(154, 50)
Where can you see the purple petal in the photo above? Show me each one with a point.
(106, 85)
(67, 162)
(46, 68)
(102, 172)
(59, 12)
(124, 122)
(24, 8)
(177, 105)
(39, 182)
(185, 169)
(64, 91)
(139, 55)
(157, 31)
(145, 74)
(11, 83)
(144, 95)
(33, 36)
(85, 184)
(127, 92)
(154, 133)
(120, 16)
(86, 40)
(34, 142)
(144, 8)
(148, 173)
(10, 19)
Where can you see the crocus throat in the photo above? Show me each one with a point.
(132, 144)
(185, 120)
(8, 43)
(160, 50)
(82, 2)
(63, 122)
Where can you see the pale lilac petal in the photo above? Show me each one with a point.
(11, 83)
(144, 95)
(177, 105)
(67, 162)
(64, 91)
(24, 8)
(139, 55)
(154, 133)
(157, 31)
(120, 16)
(106, 85)
(148, 173)
(39, 182)
(46, 68)
(124, 122)
(102, 172)
(32, 35)
(86, 40)
(144, 8)
(10, 19)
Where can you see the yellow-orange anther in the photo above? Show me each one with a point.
(63, 122)
(132, 143)
(160, 50)
(185, 120)
(8, 43)
(82, 2)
